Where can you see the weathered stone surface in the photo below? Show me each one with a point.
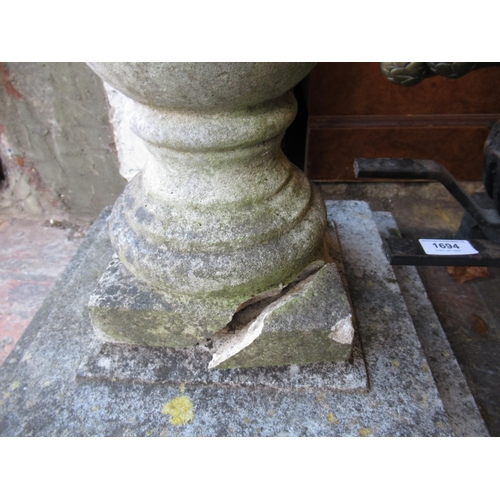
(236, 251)
(309, 321)
(126, 310)
(148, 365)
(316, 327)
(56, 383)
(202, 85)
(218, 215)
(312, 323)
(132, 153)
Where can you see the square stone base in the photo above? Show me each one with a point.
(310, 321)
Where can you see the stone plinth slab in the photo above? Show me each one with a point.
(49, 387)
(148, 365)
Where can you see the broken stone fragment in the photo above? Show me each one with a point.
(312, 323)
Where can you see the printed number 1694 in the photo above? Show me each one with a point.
(445, 245)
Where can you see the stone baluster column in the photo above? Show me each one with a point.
(218, 217)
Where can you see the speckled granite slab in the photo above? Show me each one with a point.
(45, 392)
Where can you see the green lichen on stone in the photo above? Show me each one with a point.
(286, 349)
(332, 419)
(125, 310)
(180, 410)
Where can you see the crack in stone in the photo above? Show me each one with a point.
(248, 321)
(249, 310)
(245, 335)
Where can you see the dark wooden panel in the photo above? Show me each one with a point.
(392, 121)
(331, 151)
(361, 89)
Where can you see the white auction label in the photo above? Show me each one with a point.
(447, 247)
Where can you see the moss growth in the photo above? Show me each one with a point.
(395, 233)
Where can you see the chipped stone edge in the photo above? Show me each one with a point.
(343, 331)
(248, 334)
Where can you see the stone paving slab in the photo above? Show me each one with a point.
(43, 395)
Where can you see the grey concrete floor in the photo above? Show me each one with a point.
(33, 253)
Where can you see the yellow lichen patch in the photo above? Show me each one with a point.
(182, 388)
(15, 385)
(95, 408)
(180, 410)
(332, 419)
(395, 363)
(365, 432)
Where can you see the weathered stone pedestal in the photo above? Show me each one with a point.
(60, 380)
(219, 232)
